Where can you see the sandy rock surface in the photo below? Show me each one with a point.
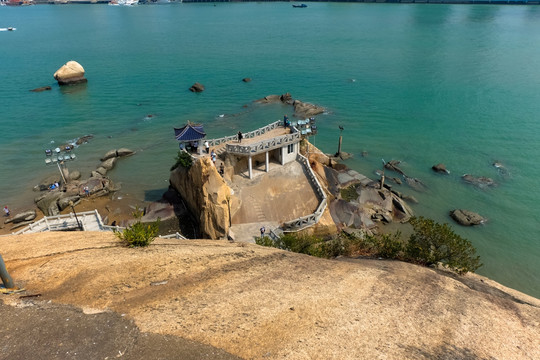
(263, 303)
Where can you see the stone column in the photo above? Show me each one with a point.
(250, 167)
(267, 163)
(282, 155)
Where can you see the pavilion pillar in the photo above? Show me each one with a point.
(267, 168)
(250, 168)
(282, 156)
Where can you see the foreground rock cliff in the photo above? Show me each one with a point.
(264, 303)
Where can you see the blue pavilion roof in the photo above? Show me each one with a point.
(190, 132)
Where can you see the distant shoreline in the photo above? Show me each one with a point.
(446, 2)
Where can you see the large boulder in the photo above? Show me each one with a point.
(109, 155)
(305, 110)
(440, 168)
(20, 217)
(64, 202)
(124, 152)
(48, 203)
(206, 195)
(466, 217)
(108, 164)
(70, 73)
(197, 87)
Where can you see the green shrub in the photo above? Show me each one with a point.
(433, 243)
(139, 234)
(349, 193)
(182, 159)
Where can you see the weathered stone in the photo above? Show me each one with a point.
(466, 217)
(40, 89)
(75, 175)
(207, 196)
(481, 181)
(101, 170)
(108, 164)
(84, 139)
(305, 110)
(197, 87)
(20, 217)
(70, 73)
(64, 202)
(95, 174)
(110, 154)
(440, 168)
(124, 152)
(286, 98)
(48, 203)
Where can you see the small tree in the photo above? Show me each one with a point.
(139, 234)
(433, 243)
(182, 159)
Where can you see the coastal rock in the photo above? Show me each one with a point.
(480, 181)
(101, 170)
(84, 139)
(122, 152)
(110, 154)
(286, 99)
(48, 203)
(197, 87)
(64, 202)
(440, 168)
(40, 89)
(75, 175)
(393, 165)
(108, 164)
(246, 79)
(95, 174)
(70, 73)
(466, 217)
(305, 110)
(269, 99)
(206, 195)
(20, 217)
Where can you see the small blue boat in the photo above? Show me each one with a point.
(299, 5)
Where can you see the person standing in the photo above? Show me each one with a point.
(263, 230)
(213, 156)
(6, 210)
(221, 170)
(240, 136)
(285, 121)
(207, 146)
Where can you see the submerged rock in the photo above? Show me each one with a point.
(197, 87)
(40, 89)
(440, 168)
(467, 218)
(70, 73)
(480, 181)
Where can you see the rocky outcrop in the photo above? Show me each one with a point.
(206, 195)
(197, 87)
(466, 217)
(40, 89)
(70, 73)
(480, 181)
(122, 152)
(440, 168)
(20, 217)
(301, 109)
(306, 110)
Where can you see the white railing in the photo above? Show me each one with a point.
(173, 236)
(248, 135)
(309, 220)
(264, 145)
(85, 220)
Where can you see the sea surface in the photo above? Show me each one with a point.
(457, 84)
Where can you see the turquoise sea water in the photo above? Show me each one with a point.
(424, 84)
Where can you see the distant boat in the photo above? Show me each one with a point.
(299, 5)
(123, 2)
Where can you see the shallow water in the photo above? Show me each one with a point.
(423, 84)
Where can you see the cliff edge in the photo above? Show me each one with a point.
(263, 303)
